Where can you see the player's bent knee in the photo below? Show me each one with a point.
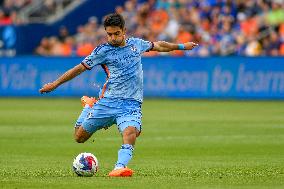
(81, 135)
(131, 131)
(79, 139)
(129, 135)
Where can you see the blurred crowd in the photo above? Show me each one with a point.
(10, 10)
(49, 7)
(221, 27)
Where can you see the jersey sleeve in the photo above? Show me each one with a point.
(97, 57)
(145, 46)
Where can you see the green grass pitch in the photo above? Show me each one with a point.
(184, 144)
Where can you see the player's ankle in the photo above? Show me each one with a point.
(119, 166)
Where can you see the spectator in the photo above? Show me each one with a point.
(84, 49)
(221, 27)
(68, 47)
(253, 48)
(274, 44)
(10, 9)
(44, 48)
(63, 33)
(4, 18)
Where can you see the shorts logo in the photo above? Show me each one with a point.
(90, 115)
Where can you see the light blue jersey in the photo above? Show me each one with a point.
(123, 68)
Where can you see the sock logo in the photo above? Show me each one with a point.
(127, 146)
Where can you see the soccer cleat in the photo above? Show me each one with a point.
(123, 172)
(88, 100)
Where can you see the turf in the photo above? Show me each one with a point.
(184, 144)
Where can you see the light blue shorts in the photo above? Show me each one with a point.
(109, 111)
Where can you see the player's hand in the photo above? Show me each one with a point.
(190, 45)
(48, 88)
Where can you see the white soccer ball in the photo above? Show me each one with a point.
(85, 164)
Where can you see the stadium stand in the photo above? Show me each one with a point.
(221, 27)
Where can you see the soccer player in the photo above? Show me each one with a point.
(121, 97)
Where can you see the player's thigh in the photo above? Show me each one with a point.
(101, 116)
(131, 117)
(91, 125)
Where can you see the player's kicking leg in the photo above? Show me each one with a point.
(80, 134)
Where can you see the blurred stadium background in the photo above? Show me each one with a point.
(240, 52)
(215, 144)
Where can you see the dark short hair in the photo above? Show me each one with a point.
(114, 20)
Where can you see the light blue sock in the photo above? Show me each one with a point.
(83, 115)
(124, 156)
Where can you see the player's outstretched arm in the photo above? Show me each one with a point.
(163, 46)
(70, 74)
